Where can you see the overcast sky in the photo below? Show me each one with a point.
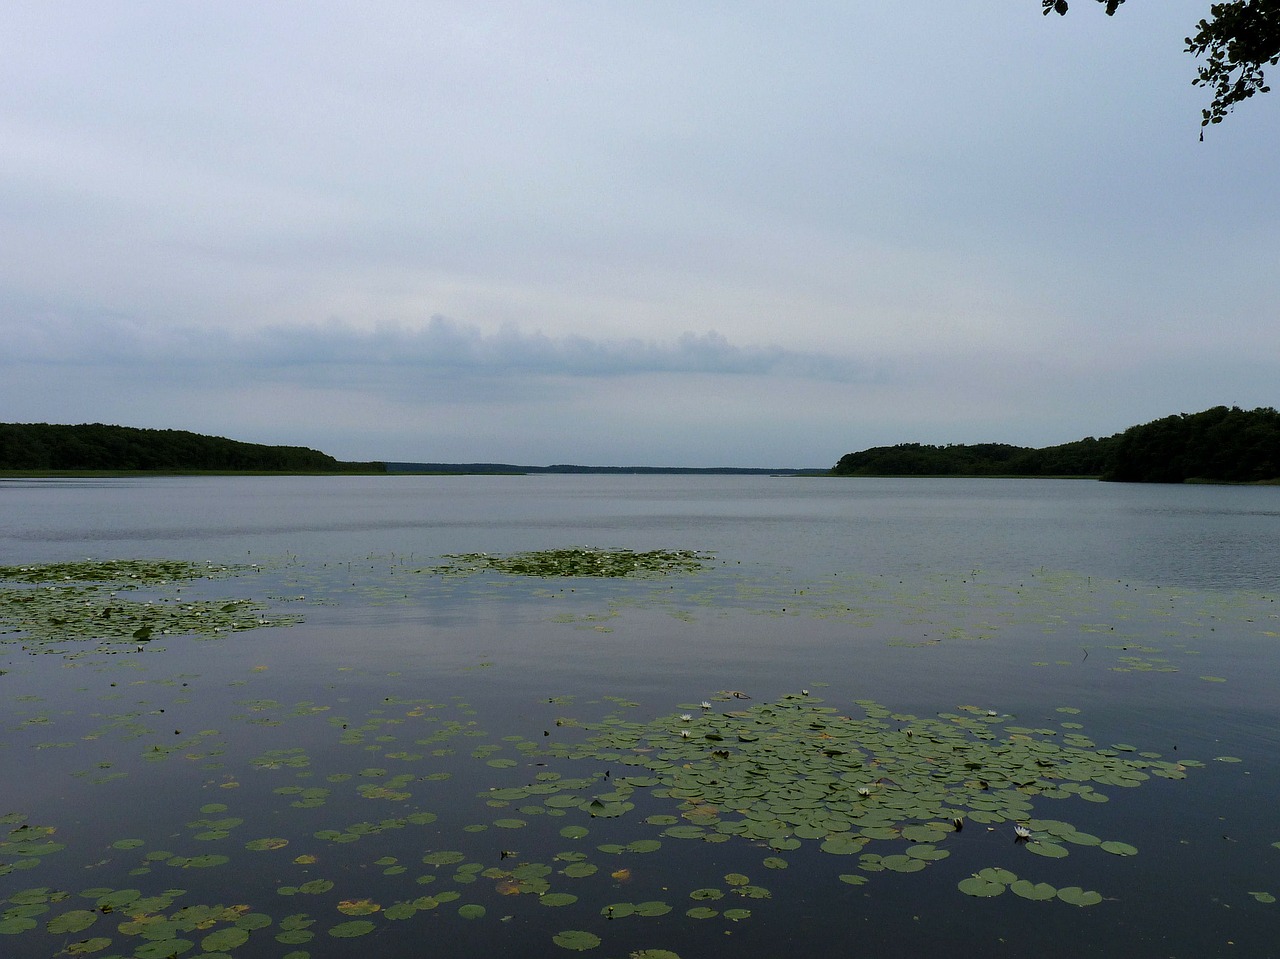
(667, 233)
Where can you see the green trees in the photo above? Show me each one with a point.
(1231, 445)
(1237, 40)
(94, 446)
(1087, 457)
(1217, 445)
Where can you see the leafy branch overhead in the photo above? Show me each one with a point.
(1237, 40)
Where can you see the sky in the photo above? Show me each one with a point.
(618, 233)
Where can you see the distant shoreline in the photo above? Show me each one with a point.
(596, 471)
(428, 470)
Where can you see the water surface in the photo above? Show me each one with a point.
(1147, 609)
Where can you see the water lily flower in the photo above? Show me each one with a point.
(1021, 833)
(704, 704)
(685, 718)
(684, 734)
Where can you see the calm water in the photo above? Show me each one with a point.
(1175, 535)
(1147, 609)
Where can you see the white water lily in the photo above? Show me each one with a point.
(1021, 832)
(704, 704)
(685, 718)
(684, 734)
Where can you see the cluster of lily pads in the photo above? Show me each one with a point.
(48, 605)
(789, 781)
(792, 775)
(578, 561)
(797, 771)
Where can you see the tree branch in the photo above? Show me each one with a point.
(1237, 40)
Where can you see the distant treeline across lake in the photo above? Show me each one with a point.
(38, 447)
(1218, 445)
(1224, 445)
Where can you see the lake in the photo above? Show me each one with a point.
(327, 735)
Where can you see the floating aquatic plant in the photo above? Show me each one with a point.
(578, 561)
(120, 601)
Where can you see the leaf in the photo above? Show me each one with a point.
(1035, 891)
(224, 940)
(576, 940)
(349, 930)
(87, 947)
(994, 874)
(982, 888)
(1075, 896)
(652, 908)
(1050, 850)
(1118, 848)
(77, 920)
(557, 899)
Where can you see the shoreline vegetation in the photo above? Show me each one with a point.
(46, 449)
(1220, 446)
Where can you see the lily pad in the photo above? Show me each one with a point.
(557, 899)
(352, 929)
(1118, 848)
(1075, 896)
(1035, 891)
(576, 940)
(652, 908)
(979, 887)
(77, 920)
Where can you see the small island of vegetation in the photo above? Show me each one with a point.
(1219, 445)
(51, 448)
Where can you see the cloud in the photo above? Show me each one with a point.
(439, 348)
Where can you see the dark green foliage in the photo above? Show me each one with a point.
(44, 446)
(1218, 445)
(1231, 445)
(1237, 39)
(915, 459)
(1242, 36)
(1087, 457)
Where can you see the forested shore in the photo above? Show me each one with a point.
(1222, 445)
(45, 447)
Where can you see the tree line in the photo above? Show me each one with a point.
(1217, 445)
(95, 446)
